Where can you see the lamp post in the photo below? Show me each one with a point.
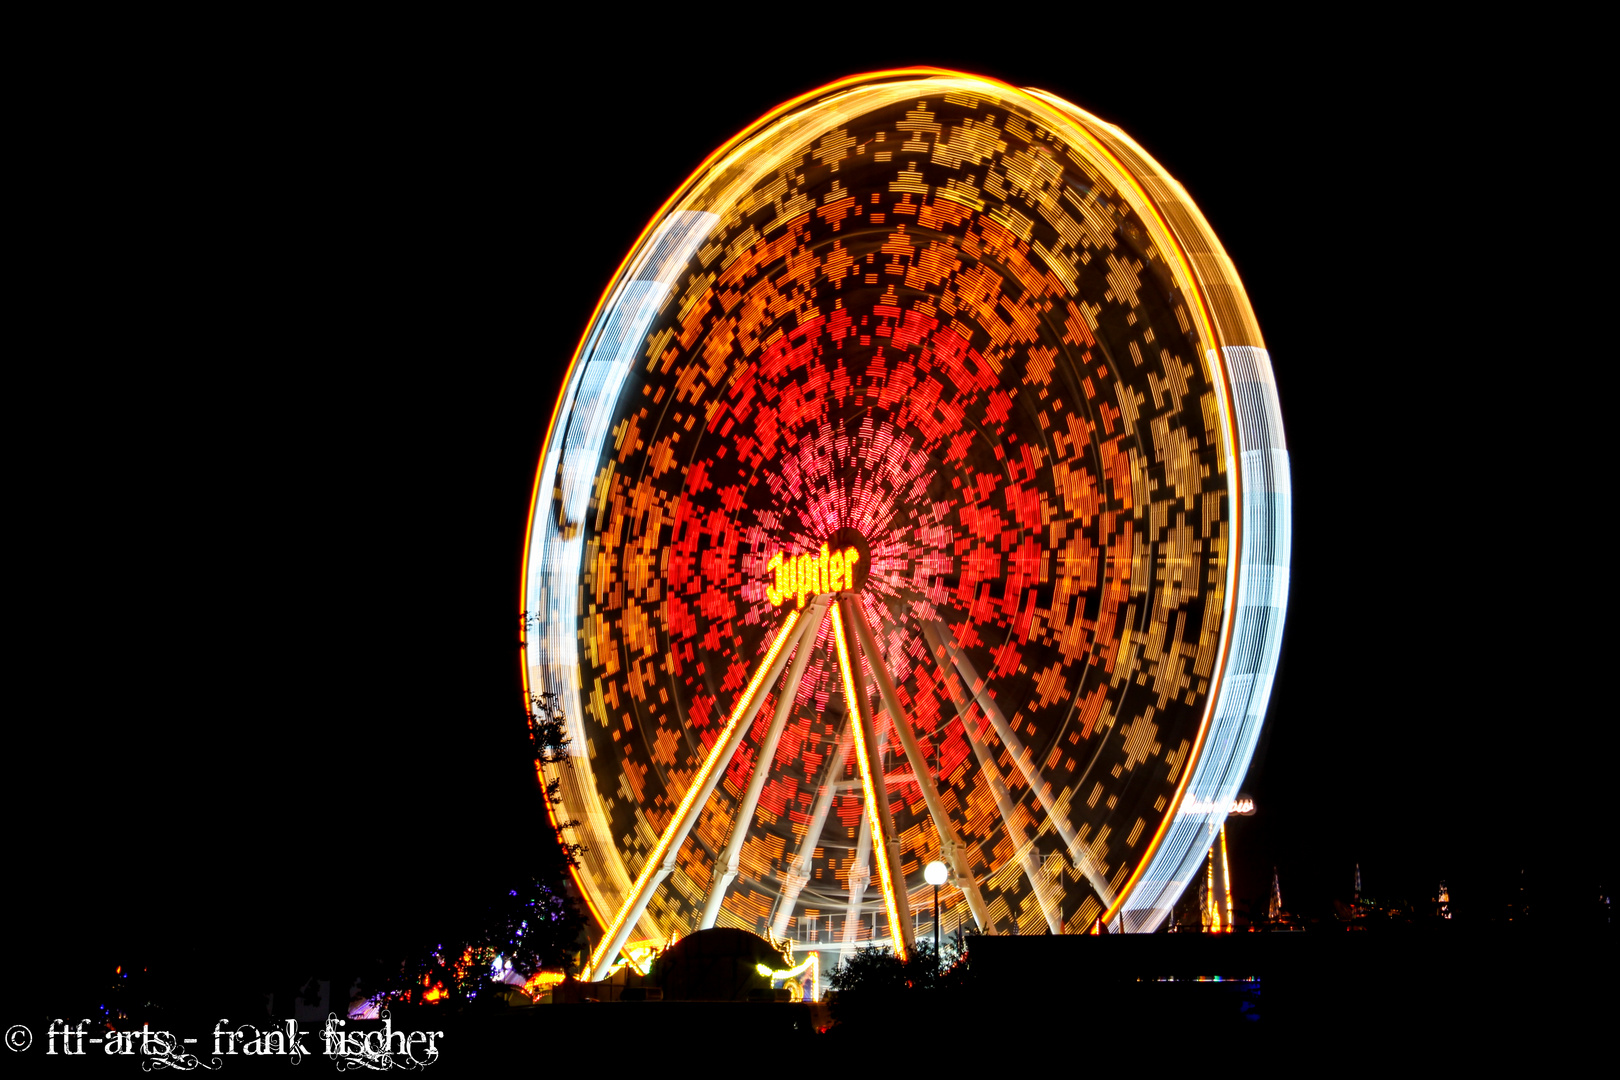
(934, 873)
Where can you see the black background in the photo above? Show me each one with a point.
(297, 316)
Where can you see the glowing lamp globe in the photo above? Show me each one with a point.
(916, 509)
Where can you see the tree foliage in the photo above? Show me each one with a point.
(548, 735)
(535, 926)
(873, 982)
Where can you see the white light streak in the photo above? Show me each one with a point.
(1261, 575)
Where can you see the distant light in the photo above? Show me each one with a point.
(1242, 805)
(935, 873)
(792, 972)
(542, 980)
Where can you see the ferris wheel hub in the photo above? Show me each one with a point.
(839, 566)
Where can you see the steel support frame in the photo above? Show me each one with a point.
(1006, 808)
(939, 640)
(798, 875)
(951, 846)
(726, 865)
(860, 873)
(885, 842)
(1022, 846)
(661, 861)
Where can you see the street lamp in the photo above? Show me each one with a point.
(935, 873)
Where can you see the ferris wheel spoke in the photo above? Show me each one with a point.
(661, 860)
(798, 873)
(860, 874)
(727, 864)
(1004, 805)
(940, 644)
(885, 844)
(951, 847)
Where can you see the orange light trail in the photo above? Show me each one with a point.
(1226, 874)
(1214, 911)
(710, 763)
(880, 837)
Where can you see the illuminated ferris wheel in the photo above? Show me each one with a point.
(917, 492)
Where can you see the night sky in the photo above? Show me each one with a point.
(305, 320)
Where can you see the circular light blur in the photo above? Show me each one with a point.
(936, 872)
(981, 338)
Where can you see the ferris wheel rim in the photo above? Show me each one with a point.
(1230, 426)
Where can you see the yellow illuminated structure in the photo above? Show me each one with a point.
(1226, 881)
(1216, 891)
(681, 822)
(795, 577)
(917, 491)
(876, 805)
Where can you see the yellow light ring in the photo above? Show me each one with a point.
(873, 792)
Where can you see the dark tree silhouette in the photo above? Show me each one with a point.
(548, 733)
(535, 926)
(873, 984)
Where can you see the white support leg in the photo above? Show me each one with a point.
(726, 864)
(939, 640)
(950, 844)
(1024, 850)
(869, 756)
(798, 874)
(859, 875)
(662, 860)
(1004, 806)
